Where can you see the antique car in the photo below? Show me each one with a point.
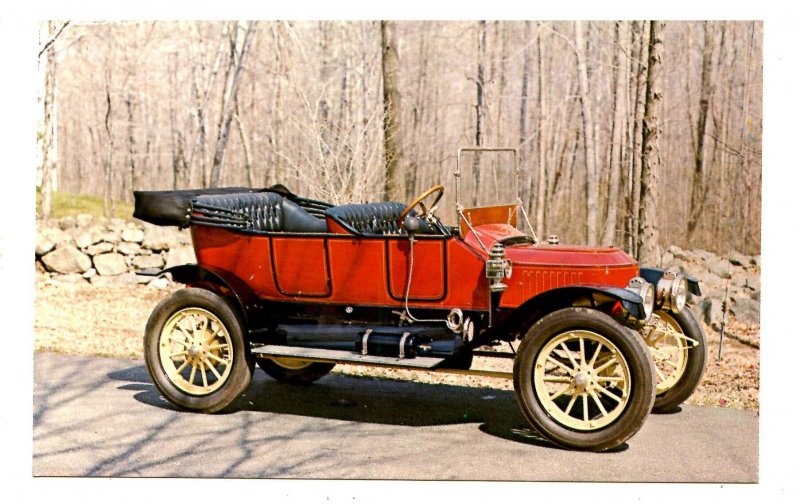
(298, 285)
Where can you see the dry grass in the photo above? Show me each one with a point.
(109, 321)
(68, 204)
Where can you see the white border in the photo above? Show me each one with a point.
(780, 231)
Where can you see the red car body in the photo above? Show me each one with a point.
(340, 268)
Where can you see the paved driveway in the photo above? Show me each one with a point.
(102, 417)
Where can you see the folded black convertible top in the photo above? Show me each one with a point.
(173, 208)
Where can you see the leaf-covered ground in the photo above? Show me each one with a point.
(78, 318)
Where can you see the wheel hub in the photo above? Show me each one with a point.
(581, 380)
(195, 351)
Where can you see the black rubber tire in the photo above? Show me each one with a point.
(295, 376)
(695, 365)
(632, 350)
(242, 365)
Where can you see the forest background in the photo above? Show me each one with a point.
(626, 130)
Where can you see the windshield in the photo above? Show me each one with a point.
(486, 177)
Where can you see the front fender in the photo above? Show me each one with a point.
(601, 297)
(226, 283)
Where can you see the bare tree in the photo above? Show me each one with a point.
(522, 146)
(589, 141)
(238, 51)
(392, 146)
(480, 85)
(309, 112)
(48, 134)
(615, 143)
(541, 135)
(246, 149)
(698, 178)
(637, 85)
(648, 247)
(109, 208)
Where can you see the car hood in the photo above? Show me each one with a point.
(521, 252)
(540, 267)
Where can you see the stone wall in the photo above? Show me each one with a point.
(739, 275)
(111, 251)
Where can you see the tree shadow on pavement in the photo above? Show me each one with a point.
(368, 400)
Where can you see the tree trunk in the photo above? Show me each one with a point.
(131, 144)
(502, 33)
(541, 165)
(522, 146)
(108, 199)
(480, 84)
(392, 145)
(175, 136)
(610, 230)
(49, 133)
(274, 172)
(698, 176)
(237, 56)
(248, 160)
(635, 169)
(651, 162)
(589, 146)
(418, 117)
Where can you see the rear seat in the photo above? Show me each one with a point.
(261, 211)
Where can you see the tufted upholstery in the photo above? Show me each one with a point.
(262, 211)
(372, 218)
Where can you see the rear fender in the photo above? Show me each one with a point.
(600, 297)
(224, 283)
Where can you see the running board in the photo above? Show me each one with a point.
(344, 356)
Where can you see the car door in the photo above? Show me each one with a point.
(428, 272)
(300, 265)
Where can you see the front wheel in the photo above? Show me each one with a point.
(679, 365)
(195, 351)
(583, 380)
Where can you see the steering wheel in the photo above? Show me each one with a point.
(437, 189)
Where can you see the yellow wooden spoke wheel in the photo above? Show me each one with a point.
(670, 353)
(679, 352)
(582, 380)
(195, 351)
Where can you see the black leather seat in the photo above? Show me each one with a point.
(262, 211)
(371, 219)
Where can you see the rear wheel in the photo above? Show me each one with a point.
(195, 351)
(583, 380)
(294, 371)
